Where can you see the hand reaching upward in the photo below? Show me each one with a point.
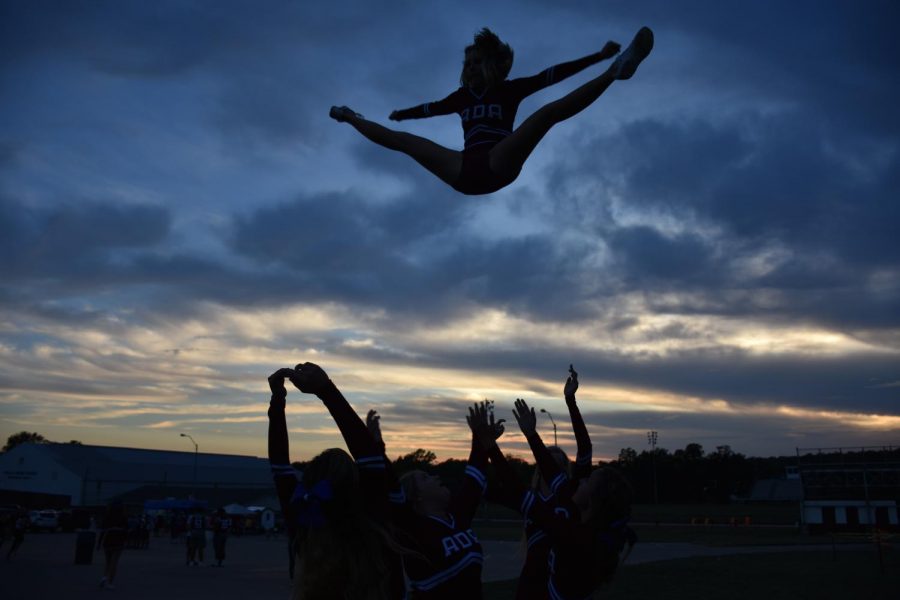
(373, 423)
(276, 381)
(525, 417)
(310, 378)
(484, 428)
(571, 383)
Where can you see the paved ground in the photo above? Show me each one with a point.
(256, 567)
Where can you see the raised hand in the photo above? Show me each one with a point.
(485, 429)
(496, 427)
(373, 424)
(525, 417)
(310, 378)
(276, 381)
(571, 383)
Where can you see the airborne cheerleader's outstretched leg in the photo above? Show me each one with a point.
(439, 160)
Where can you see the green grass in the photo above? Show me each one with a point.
(760, 514)
(814, 575)
(693, 534)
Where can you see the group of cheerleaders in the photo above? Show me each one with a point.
(359, 532)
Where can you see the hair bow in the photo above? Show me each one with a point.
(308, 503)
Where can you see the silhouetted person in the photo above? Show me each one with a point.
(196, 538)
(586, 520)
(20, 524)
(487, 101)
(221, 525)
(335, 515)
(442, 556)
(113, 535)
(535, 570)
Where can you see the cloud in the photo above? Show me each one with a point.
(81, 238)
(718, 233)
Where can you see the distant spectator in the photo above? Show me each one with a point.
(221, 524)
(112, 539)
(18, 534)
(158, 525)
(196, 538)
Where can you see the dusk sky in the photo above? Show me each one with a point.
(714, 243)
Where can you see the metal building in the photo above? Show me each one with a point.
(63, 475)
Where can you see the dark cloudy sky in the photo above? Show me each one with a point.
(714, 244)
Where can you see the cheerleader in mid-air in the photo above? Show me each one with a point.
(494, 152)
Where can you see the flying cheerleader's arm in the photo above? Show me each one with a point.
(556, 73)
(449, 105)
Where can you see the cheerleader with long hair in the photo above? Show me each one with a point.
(335, 510)
(429, 523)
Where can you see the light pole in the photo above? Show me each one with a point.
(547, 412)
(196, 449)
(651, 439)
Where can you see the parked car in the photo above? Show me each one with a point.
(46, 520)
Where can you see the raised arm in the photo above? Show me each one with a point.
(312, 379)
(552, 473)
(466, 498)
(279, 453)
(556, 73)
(396, 496)
(557, 524)
(447, 106)
(584, 452)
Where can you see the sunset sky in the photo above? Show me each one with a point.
(714, 243)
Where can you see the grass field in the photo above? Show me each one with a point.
(839, 572)
(813, 575)
(713, 535)
(760, 514)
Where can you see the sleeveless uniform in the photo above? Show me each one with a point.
(488, 117)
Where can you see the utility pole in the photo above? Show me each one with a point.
(651, 439)
(196, 450)
(547, 412)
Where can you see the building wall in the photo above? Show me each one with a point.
(27, 468)
(93, 475)
(814, 512)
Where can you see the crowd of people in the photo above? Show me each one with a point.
(357, 530)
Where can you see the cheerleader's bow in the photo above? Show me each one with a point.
(308, 503)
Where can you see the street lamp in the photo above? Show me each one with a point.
(547, 412)
(196, 449)
(651, 439)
